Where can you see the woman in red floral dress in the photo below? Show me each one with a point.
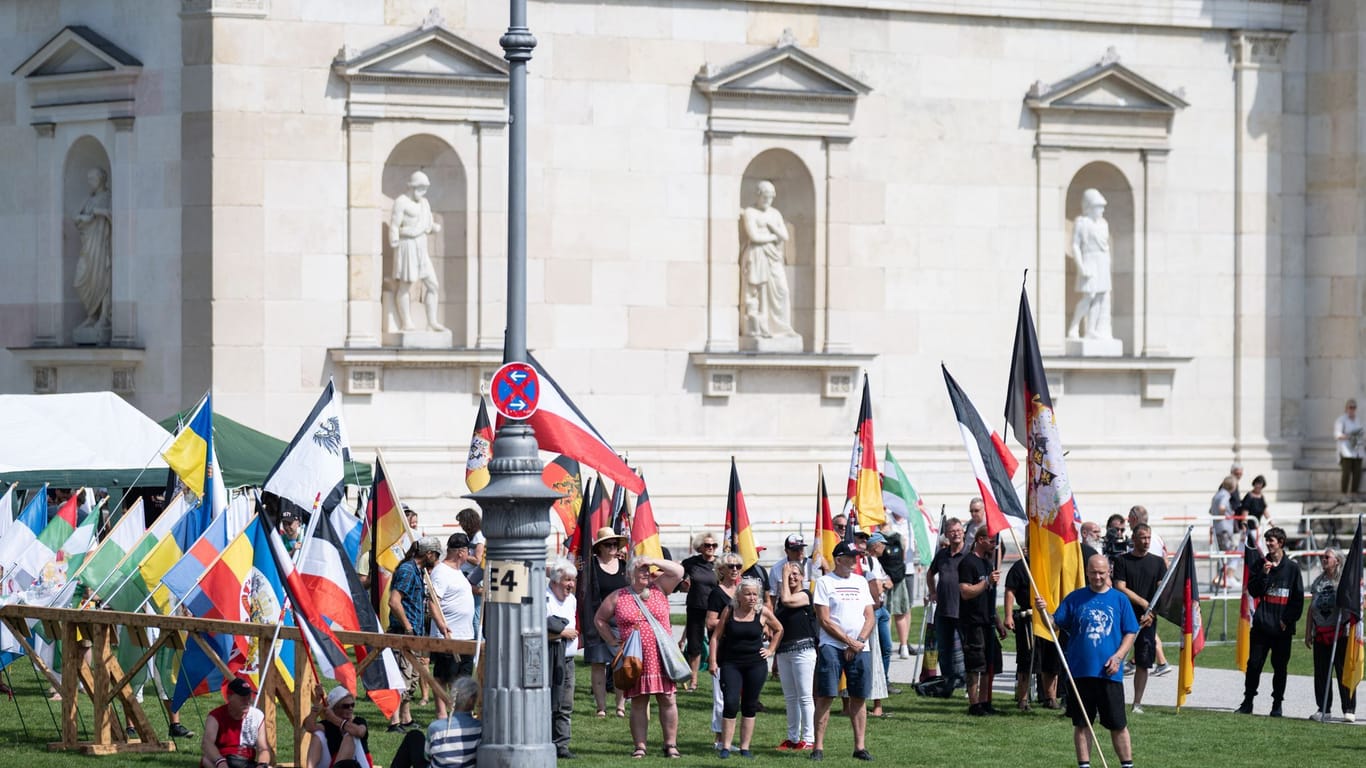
(653, 589)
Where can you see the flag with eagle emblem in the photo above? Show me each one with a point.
(310, 474)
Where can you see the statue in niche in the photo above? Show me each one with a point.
(1091, 250)
(767, 299)
(409, 226)
(94, 269)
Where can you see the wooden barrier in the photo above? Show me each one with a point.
(106, 682)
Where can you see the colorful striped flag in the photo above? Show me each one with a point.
(739, 535)
(1054, 543)
(481, 451)
(826, 537)
(1252, 559)
(1178, 601)
(388, 524)
(864, 493)
(1351, 601)
(22, 537)
(900, 497)
(993, 479)
(644, 530)
(561, 427)
(562, 475)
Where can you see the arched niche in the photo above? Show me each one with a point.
(796, 200)
(85, 154)
(448, 198)
(1119, 213)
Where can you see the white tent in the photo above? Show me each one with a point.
(89, 438)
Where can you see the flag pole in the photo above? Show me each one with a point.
(1328, 689)
(1052, 633)
(288, 605)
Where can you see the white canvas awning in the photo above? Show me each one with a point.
(81, 432)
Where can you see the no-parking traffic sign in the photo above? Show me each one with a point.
(515, 390)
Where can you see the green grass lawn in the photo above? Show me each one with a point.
(920, 732)
(928, 732)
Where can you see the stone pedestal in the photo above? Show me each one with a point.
(424, 339)
(91, 335)
(1095, 348)
(774, 344)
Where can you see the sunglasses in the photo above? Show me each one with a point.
(711, 545)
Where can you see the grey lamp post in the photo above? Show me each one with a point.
(516, 502)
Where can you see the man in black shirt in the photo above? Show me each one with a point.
(1138, 573)
(981, 628)
(942, 587)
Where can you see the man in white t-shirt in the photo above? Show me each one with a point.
(844, 610)
(560, 609)
(451, 591)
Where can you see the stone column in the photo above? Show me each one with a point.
(723, 256)
(490, 257)
(363, 220)
(831, 221)
(1256, 245)
(1151, 332)
(48, 290)
(1050, 272)
(121, 169)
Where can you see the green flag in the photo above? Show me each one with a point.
(899, 496)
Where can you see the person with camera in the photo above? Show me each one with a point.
(1115, 543)
(235, 733)
(1138, 574)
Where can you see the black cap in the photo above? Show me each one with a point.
(842, 549)
(240, 687)
(458, 541)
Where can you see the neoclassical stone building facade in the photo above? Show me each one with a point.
(925, 155)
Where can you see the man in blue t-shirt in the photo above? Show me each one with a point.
(1101, 625)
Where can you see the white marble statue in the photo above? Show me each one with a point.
(1091, 250)
(409, 226)
(768, 301)
(94, 269)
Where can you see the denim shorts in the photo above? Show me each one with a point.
(858, 678)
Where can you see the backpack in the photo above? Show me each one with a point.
(894, 558)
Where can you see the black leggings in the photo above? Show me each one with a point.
(741, 683)
(1328, 671)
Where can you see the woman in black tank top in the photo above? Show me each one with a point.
(738, 646)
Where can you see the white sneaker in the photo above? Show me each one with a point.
(1161, 670)
(903, 652)
(1138, 709)
(1350, 717)
(1317, 717)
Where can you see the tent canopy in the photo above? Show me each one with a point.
(92, 439)
(247, 455)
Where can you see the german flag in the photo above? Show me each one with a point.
(1054, 546)
(826, 538)
(644, 530)
(562, 475)
(481, 451)
(1350, 599)
(739, 534)
(864, 494)
(1178, 601)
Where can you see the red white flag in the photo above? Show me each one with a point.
(561, 427)
(1003, 507)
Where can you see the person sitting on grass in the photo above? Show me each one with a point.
(449, 743)
(340, 739)
(235, 733)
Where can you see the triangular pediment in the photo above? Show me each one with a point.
(424, 54)
(785, 70)
(1106, 86)
(78, 50)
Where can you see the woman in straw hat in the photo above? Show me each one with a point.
(606, 574)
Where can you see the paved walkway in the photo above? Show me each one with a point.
(1217, 690)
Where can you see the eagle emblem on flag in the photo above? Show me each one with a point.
(328, 435)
